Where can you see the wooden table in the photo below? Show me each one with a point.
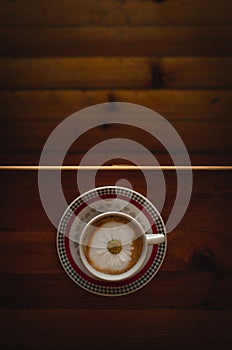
(172, 56)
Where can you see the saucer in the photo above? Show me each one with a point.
(86, 207)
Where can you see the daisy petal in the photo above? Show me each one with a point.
(124, 256)
(106, 235)
(115, 234)
(117, 260)
(101, 251)
(111, 259)
(105, 257)
(128, 247)
(127, 237)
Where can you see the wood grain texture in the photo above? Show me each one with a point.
(57, 57)
(206, 158)
(204, 290)
(114, 13)
(204, 248)
(24, 136)
(63, 329)
(28, 236)
(28, 117)
(117, 41)
(207, 105)
(115, 73)
(199, 289)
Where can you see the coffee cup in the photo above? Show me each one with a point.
(114, 246)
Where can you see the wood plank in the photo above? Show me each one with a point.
(72, 73)
(197, 72)
(154, 328)
(191, 245)
(197, 158)
(115, 73)
(197, 289)
(35, 252)
(117, 41)
(175, 105)
(114, 13)
(206, 183)
(23, 136)
(202, 158)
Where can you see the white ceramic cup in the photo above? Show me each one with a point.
(102, 245)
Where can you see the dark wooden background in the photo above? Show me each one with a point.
(173, 56)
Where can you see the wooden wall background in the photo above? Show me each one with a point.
(173, 56)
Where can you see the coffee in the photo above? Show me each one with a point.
(113, 244)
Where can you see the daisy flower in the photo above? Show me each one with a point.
(112, 247)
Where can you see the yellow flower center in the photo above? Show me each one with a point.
(114, 246)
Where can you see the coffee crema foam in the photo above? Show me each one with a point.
(114, 245)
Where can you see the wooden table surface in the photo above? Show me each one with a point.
(173, 56)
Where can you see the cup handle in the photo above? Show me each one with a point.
(155, 239)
